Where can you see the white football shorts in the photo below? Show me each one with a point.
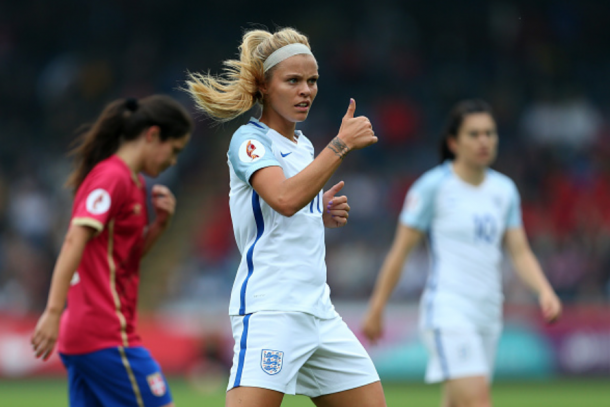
(456, 353)
(298, 353)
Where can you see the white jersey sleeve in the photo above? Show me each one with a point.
(513, 216)
(418, 209)
(250, 150)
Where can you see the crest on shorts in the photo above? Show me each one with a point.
(271, 361)
(156, 384)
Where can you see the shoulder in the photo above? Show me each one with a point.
(502, 181)
(247, 132)
(249, 143)
(108, 174)
(302, 138)
(250, 150)
(110, 169)
(418, 209)
(432, 179)
(304, 141)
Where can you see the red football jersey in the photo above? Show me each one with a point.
(103, 295)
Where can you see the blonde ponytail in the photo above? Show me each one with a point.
(225, 98)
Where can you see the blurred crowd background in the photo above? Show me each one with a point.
(542, 65)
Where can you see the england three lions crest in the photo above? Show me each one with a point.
(271, 361)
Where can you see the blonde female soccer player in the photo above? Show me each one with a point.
(466, 211)
(98, 268)
(288, 337)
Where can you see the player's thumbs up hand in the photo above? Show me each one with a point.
(355, 132)
(351, 109)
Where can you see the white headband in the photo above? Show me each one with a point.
(285, 52)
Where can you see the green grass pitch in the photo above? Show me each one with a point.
(559, 393)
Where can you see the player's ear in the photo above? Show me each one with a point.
(452, 144)
(152, 133)
(263, 88)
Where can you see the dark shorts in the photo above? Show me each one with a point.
(122, 377)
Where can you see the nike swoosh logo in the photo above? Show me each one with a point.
(284, 155)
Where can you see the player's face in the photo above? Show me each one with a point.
(163, 154)
(292, 88)
(477, 140)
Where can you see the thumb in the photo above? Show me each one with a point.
(336, 188)
(351, 109)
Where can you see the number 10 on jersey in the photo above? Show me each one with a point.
(484, 228)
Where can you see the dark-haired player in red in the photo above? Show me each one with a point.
(97, 270)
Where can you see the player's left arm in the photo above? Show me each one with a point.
(47, 328)
(529, 270)
(164, 204)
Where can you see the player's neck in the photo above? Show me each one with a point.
(130, 154)
(470, 174)
(278, 123)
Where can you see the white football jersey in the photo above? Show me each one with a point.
(282, 266)
(465, 226)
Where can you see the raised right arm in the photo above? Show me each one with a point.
(289, 195)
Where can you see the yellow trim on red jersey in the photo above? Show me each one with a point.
(92, 223)
(136, 179)
(115, 294)
(132, 378)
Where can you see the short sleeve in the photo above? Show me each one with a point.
(249, 151)
(513, 215)
(418, 209)
(98, 198)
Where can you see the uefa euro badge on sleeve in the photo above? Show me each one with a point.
(251, 150)
(271, 361)
(98, 201)
(156, 384)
